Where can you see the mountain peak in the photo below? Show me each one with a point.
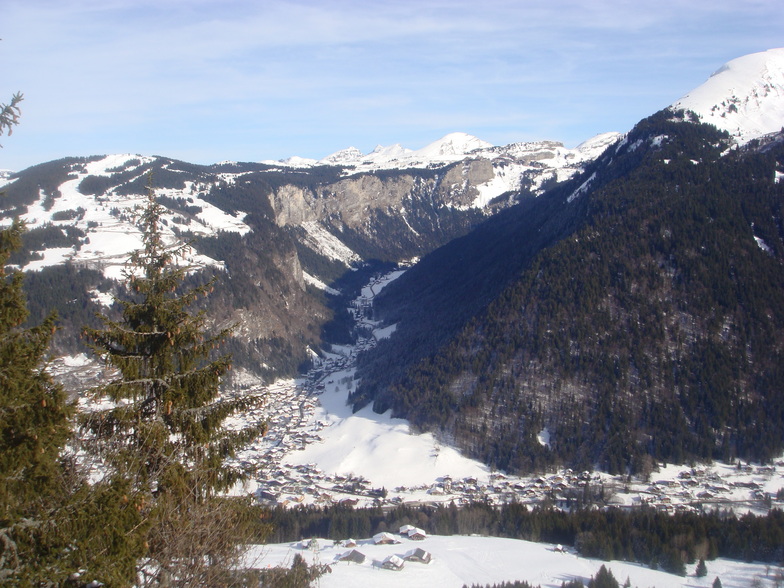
(453, 144)
(344, 156)
(744, 97)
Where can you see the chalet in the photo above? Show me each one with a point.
(417, 534)
(393, 562)
(385, 539)
(353, 556)
(406, 528)
(418, 555)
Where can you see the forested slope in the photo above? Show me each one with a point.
(655, 329)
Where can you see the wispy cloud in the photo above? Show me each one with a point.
(136, 73)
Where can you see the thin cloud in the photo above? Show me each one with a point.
(121, 72)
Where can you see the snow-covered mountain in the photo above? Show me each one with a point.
(92, 194)
(744, 97)
(518, 273)
(323, 217)
(340, 210)
(106, 222)
(549, 156)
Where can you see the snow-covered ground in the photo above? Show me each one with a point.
(460, 560)
(378, 447)
(744, 97)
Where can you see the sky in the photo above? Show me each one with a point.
(250, 80)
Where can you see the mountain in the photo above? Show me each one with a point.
(538, 161)
(631, 314)
(744, 97)
(289, 240)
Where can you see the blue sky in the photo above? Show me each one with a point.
(209, 80)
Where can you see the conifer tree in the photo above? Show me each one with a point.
(9, 114)
(52, 523)
(33, 415)
(604, 579)
(164, 431)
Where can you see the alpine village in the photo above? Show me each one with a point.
(464, 365)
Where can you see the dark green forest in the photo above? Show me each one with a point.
(653, 328)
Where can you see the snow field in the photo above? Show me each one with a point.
(459, 560)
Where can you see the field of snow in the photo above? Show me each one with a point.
(458, 560)
(378, 447)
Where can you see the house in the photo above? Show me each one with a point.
(406, 528)
(350, 543)
(385, 539)
(393, 562)
(353, 556)
(417, 534)
(418, 555)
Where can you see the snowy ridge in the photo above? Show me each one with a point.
(108, 223)
(459, 146)
(744, 97)
(531, 163)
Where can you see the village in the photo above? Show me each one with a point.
(290, 411)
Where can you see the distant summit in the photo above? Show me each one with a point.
(452, 148)
(454, 144)
(744, 97)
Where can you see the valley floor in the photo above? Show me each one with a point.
(319, 452)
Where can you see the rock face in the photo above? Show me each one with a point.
(349, 201)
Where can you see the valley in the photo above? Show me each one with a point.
(539, 343)
(317, 452)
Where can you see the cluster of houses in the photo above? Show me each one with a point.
(743, 487)
(289, 412)
(395, 562)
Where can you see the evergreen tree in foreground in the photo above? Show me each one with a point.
(33, 418)
(54, 527)
(33, 411)
(164, 432)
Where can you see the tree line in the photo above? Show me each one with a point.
(662, 541)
